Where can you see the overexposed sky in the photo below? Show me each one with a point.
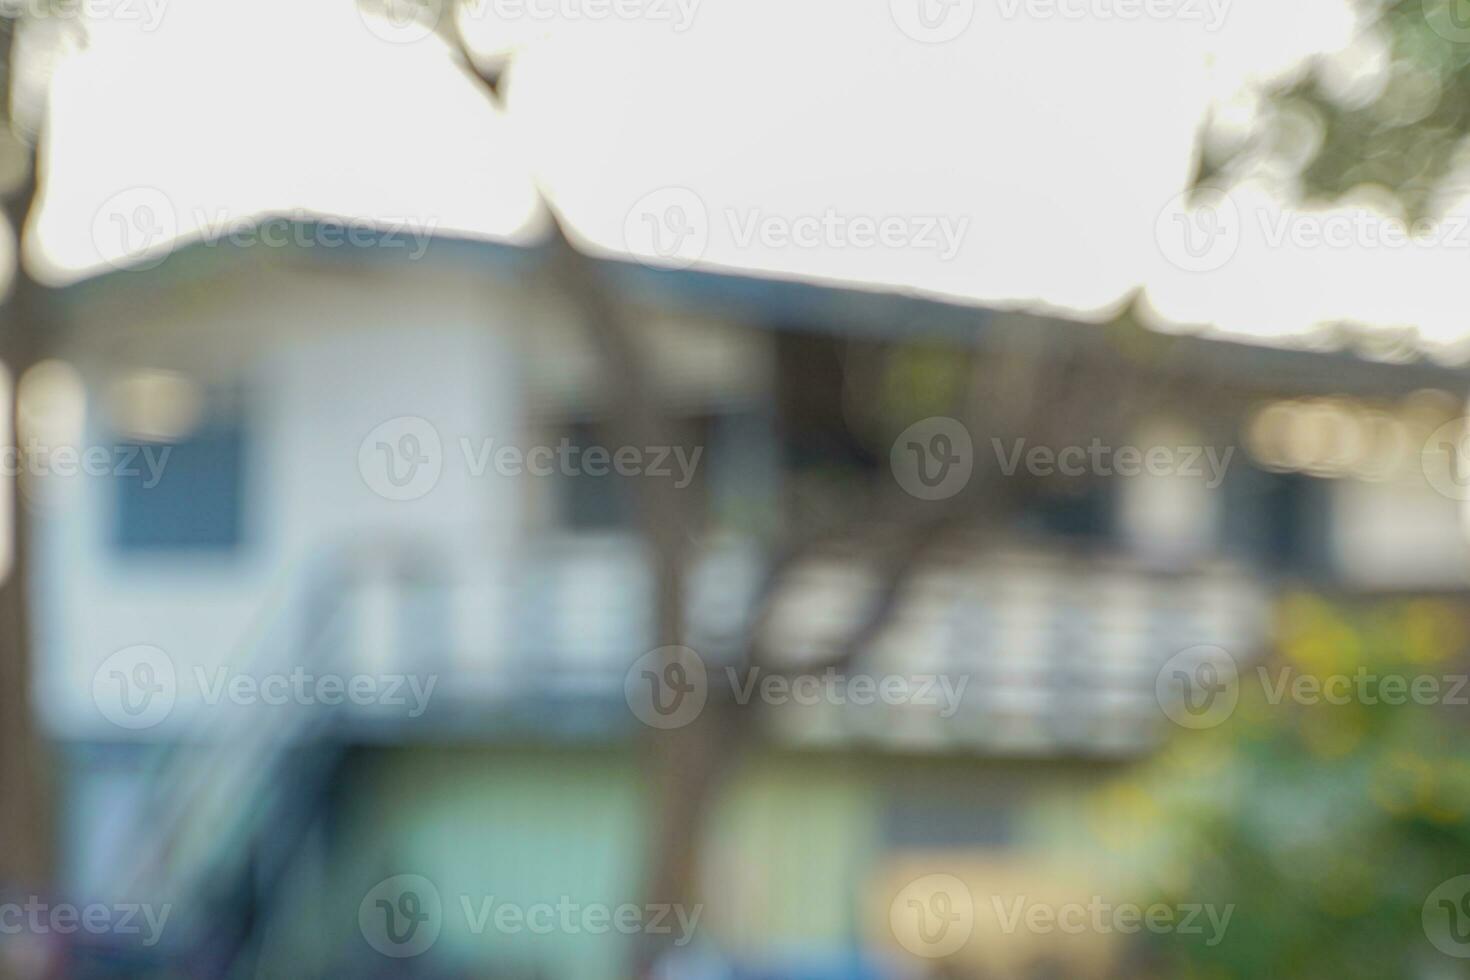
(1022, 153)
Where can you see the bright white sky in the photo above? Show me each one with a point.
(1049, 148)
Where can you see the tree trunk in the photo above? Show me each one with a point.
(26, 853)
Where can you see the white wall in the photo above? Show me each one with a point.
(1398, 534)
(325, 359)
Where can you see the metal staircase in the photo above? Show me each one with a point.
(229, 806)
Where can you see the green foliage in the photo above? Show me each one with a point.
(1408, 137)
(1326, 825)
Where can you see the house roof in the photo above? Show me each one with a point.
(1349, 362)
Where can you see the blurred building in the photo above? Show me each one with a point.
(303, 479)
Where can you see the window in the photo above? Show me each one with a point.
(606, 501)
(920, 818)
(1278, 519)
(183, 495)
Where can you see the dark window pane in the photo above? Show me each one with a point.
(197, 501)
(606, 501)
(922, 821)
